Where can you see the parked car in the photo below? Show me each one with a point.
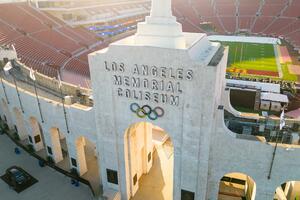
(17, 176)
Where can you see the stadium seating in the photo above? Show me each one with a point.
(47, 43)
(42, 41)
(19, 18)
(7, 33)
(268, 17)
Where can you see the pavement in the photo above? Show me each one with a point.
(51, 184)
(158, 183)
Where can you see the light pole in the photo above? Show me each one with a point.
(63, 101)
(18, 93)
(273, 155)
(8, 66)
(4, 89)
(32, 76)
(281, 125)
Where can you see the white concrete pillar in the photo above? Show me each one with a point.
(161, 8)
(36, 135)
(7, 114)
(212, 190)
(295, 138)
(132, 160)
(55, 145)
(80, 156)
(22, 132)
(148, 147)
(280, 194)
(291, 189)
(287, 188)
(139, 146)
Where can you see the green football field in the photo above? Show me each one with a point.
(255, 60)
(252, 56)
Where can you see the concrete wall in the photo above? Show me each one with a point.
(189, 123)
(80, 118)
(53, 84)
(138, 144)
(7, 53)
(229, 154)
(204, 149)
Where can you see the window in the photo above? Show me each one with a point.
(149, 156)
(49, 150)
(37, 138)
(16, 128)
(74, 162)
(220, 107)
(30, 139)
(134, 179)
(187, 195)
(112, 176)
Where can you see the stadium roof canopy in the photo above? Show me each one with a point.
(264, 87)
(266, 96)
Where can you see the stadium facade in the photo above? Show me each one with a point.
(161, 83)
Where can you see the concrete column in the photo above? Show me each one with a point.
(148, 150)
(34, 132)
(55, 145)
(139, 145)
(7, 114)
(80, 156)
(213, 190)
(22, 132)
(132, 160)
(161, 8)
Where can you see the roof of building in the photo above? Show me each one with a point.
(267, 96)
(264, 87)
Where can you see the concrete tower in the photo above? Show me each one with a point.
(181, 76)
(162, 68)
(160, 29)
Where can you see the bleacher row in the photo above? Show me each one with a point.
(107, 13)
(43, 42)
(116, 27)
(47, 44)
(264, 17)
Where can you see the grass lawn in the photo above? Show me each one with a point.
(251, 56)
(258, 57)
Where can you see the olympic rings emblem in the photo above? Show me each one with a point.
(147, 111)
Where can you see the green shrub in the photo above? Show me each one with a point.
(74, 172)
(16, 136)
(5, 128)
(30, 148)
(50, 160)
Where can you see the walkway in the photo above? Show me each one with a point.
(51, 186)
(158, 183)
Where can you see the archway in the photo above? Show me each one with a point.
(87, 162)
(59, 149)
(288, 191)
(149, 161)
(236, 186)
(36, 137)
(6, 114)
(20, 124)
